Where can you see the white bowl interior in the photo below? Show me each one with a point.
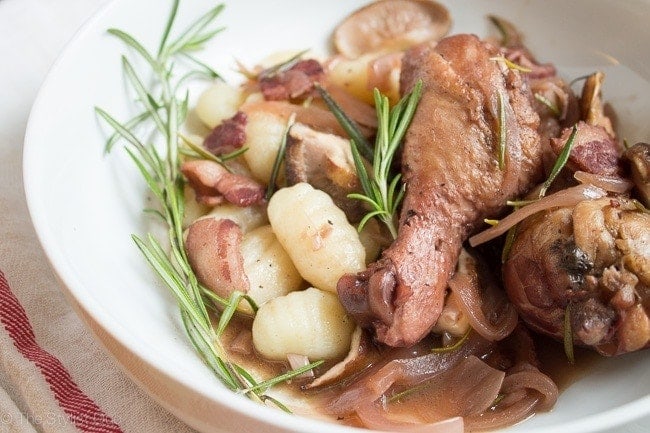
(85, 205)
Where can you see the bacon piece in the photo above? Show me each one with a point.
(213, 251)
(212, 183)
(295, 82)
(228, 136)
(594, 151)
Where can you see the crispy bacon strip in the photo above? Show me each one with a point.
(594, 151)
(295, 82)
(212, 184)
(213, 251)
(228, 136)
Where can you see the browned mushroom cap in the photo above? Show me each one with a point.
(639, 159)
(391, 24)
(591, 106)
(324, 161)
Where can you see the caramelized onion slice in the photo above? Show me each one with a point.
(405, 372)
(526, 390)
(357, 350)
(374, 416)
(298, 361)
(469, 388)
(466, 285)
(564, 198)
(608, 183)
(532, 379)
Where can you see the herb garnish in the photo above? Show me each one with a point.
(279, 157)
(550, 105)
(503, 139)
(196, 151)
(455, 346)
(159, 164)
(510, 64)
(383, 193)
(348, 125)
(560, 162)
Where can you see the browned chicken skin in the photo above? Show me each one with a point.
(453, 181)
(591, 262)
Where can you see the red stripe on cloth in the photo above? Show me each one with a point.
(80, 409)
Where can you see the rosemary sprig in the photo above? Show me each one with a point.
(560, 162)
(510, 64)
(550, 105)
(282, 66)
(158, 162)
(279, 157)
(503, 139)
(196, 151)
(456, 345)
(383, 193)
(348, 125)
(520, 203)
(511, 235)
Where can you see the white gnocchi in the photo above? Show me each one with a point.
(217, 103)
(267, 265)
(315, 232)
(310, 322)
(193, 209)
(265, 130)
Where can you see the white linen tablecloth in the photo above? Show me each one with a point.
(53, 375)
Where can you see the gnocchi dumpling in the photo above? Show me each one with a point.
(267, 265)
(217, 103)
(265, 131)
(315, 232)
(309, 322)
(193, 209)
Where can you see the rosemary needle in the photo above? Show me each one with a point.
(158, 163)
(502, 132)
(561, 161)
(382, 190)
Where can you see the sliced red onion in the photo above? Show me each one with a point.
(357, 350)
(564, 198)
(533, 379)
(406, 372)
(608, 183)
(298, 361)
(469, 388)
(466, 287)
(374, 417)
(526, 391)
(511, 415)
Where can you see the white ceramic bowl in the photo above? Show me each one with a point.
(85, 205)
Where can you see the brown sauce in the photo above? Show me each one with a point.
(555, 364)
(552, 362)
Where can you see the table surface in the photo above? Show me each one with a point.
(32, 34)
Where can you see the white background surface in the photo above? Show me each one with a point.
(32, 33)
